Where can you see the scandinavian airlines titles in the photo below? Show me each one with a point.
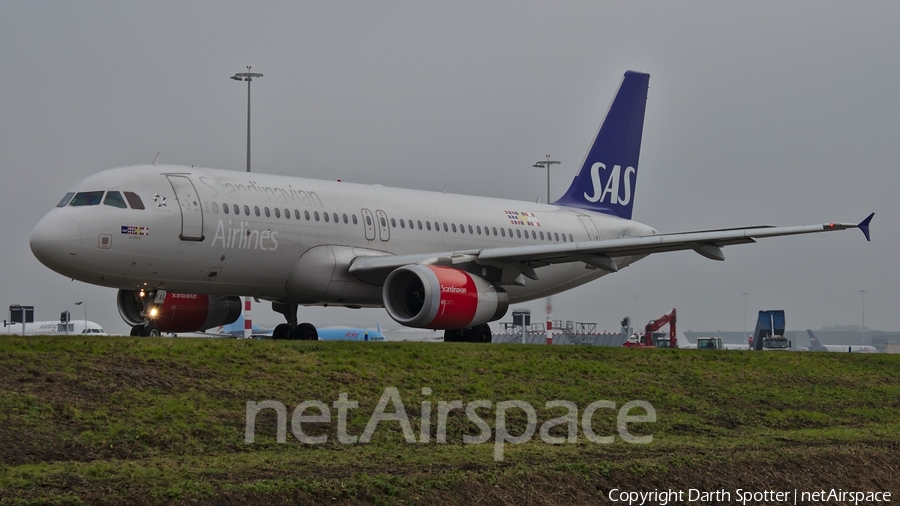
(611, 190)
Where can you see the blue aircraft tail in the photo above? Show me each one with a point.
(606, 181)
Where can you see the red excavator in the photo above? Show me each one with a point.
(645, 340)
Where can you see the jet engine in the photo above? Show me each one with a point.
(177, 312)
(434, 297)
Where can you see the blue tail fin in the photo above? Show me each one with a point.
(606, 181)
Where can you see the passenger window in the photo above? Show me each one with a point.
(86, 199)
(534, 235)
(428, 225)
(256, 210)
(369, 220)
(402, 223)
(556, 234)
(316, 215)
(542, 235)
(65, 200)
(510, 232)
(383, 223)
(225, 208)
(268, 215)
(503, 232)
(277, 213)
(306, 215)
(134, 201)
(518, 233)
(420, 224)
(571, 239)
(297, 215)
(326, 217)
(215, 208)
(446, 229)
(495, 231)
(564, 237)
(437, 227)
(335, 216)
(470, 229)
(394, 222)
(237, 210)
(453, 225)
(345, 219)
(114, 199)
(478, 229)
(354, 219)
(287, 214)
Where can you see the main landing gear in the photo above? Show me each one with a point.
(292, 330)
(477, 334)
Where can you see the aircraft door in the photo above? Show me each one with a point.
(369, 223)
(189, 205)
(590, 227)
(384, 230)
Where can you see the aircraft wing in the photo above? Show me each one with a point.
(599, 254)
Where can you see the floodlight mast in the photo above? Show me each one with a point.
(546, 163)
(247, 76)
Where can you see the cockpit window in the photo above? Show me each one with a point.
(86, 199)
(65, 200)
(114, 199)
(134, 200)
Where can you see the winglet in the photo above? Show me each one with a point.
(864, 226)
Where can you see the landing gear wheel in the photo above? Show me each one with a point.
(282, 331)
(305, 332)
(150, 330)
(136, 330)
(479, 334)
(453, 336)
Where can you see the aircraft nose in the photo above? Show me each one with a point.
(54, 240)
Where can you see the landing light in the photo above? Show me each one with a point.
(153, 312)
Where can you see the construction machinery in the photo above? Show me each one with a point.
(646, 340)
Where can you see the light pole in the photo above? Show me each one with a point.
(81, 303)
(546, 163)
(247, 76)
(745, 294)
(863, 294)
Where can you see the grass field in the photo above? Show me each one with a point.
(158, 421)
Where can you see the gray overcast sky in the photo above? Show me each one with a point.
(759, 113)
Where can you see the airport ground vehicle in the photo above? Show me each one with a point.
(769, 333)
(710, 343)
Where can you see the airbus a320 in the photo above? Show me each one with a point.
(182, 244)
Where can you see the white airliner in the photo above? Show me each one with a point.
(54, 328)
(815, 345)
(183, 243)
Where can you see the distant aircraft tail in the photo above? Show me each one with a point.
(814, 344)
(606, 181)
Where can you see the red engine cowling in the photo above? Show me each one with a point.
(433, 297)
(177, 312)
